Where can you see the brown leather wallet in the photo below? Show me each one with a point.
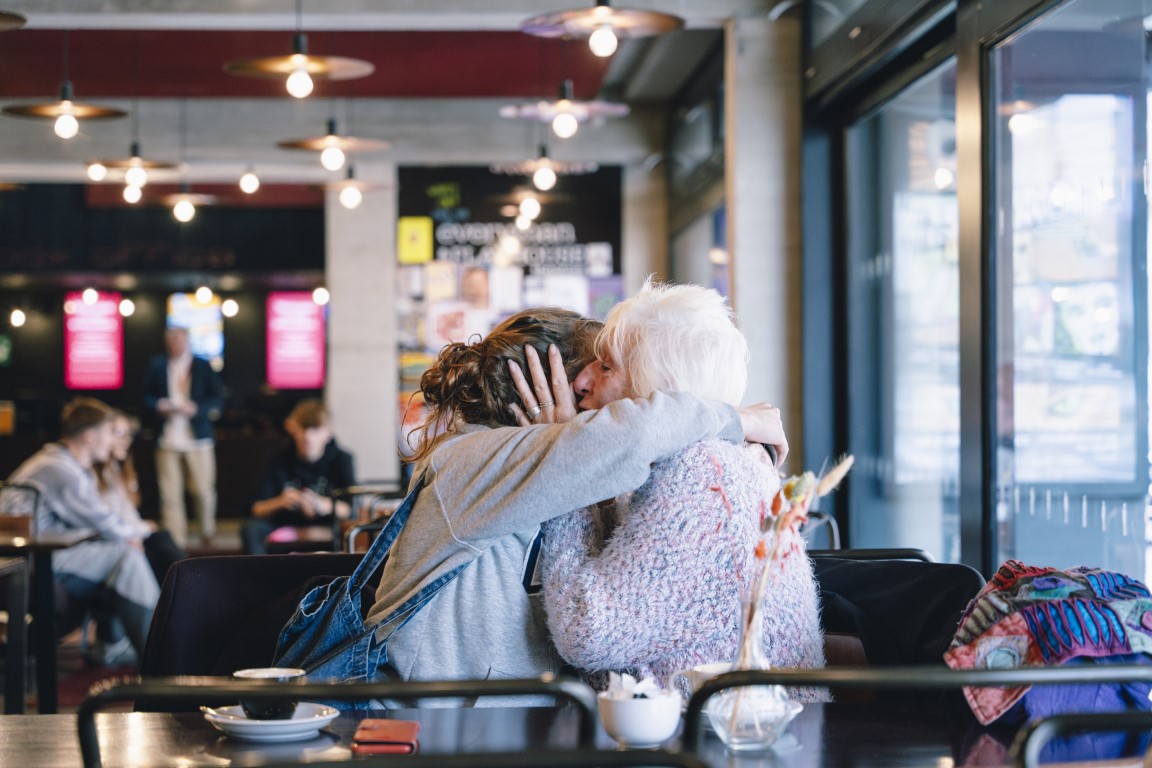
(377, 736)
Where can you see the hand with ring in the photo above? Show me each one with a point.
(544, 401)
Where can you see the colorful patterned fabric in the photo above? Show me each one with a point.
(1033, 616)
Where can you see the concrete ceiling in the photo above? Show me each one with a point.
(443, 69)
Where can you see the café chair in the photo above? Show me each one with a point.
(908, 678)
(196, 691)
(219, 614)
(1032, 738)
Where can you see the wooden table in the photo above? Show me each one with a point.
(840, 735)
(37, 550)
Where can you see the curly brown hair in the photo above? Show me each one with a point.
(471, 383)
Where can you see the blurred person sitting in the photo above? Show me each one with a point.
(294, 489)
(120, 488)
(109, 575)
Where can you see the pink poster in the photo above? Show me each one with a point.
(295, 341)
(93, 341)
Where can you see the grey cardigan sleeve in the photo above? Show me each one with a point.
(492, 482)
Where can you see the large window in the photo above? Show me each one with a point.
(990, 363)
(903, 334)
(1069, 135)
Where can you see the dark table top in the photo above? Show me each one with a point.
(15, 544)
(890, 734)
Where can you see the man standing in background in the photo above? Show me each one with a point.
(186, 395)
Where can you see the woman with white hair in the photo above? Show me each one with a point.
(654, 585)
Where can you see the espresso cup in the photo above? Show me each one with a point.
(688, 681)
(271, 709)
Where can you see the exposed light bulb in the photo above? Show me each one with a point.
(351, 197)
(229, 308)
(67, 125)
(127, 307)
(523, 222)
(203, 294)
(97, 171)
(530, 208)
(565, 125)
(184, 211)
(249, 182)
(89, 296)
(603, 41)
(321, 296)
(136, 176)
(17, 318)
(132, 194)
(544, 178)
(299, 83)
(332, 158)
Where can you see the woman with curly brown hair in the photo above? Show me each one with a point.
(489, 484)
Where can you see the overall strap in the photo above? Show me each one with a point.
(376, 553)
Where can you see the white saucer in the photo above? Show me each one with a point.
(304, 724)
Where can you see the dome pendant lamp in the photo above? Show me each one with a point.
(602, 25)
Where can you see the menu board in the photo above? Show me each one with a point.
(295, 337)
(93, 341)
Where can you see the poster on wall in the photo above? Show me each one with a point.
(474, 247)
(204, 319)
(93, 341)
(295, 341)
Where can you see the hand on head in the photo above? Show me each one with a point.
(544, 401)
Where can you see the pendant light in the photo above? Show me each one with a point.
(300, 68)
(184, 202)
(602, 25)
(10, 20)
(565, 113)
(66, 111)
(350, 190)
(249, 182)
(333, 147)
(543, 170)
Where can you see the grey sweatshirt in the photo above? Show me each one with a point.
(487, 492)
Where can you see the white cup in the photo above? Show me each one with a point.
(640, 723)
(688, 681)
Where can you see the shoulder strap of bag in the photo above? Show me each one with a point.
(376, 553)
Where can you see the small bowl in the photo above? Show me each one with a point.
(640, 723)
(271, 709)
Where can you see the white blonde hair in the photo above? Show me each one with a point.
(677, 338)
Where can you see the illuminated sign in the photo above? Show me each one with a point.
(295, 341)
(93, 341)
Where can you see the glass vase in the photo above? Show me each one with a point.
(751, 718)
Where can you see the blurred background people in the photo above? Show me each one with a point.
(185, 395)
(295, 487)
(119, 487)
(109, 575)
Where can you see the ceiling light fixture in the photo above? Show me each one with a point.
(11, 20)
(544, 170)
(300, 68)
(351, 190)
(67, 112)
(602, 25)
(333, 147)
(249, 182)
(566, 113)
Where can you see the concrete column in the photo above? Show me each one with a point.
(644, 235)
(362, 370)
(764, 97)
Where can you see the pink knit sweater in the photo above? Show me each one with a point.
(661, 592)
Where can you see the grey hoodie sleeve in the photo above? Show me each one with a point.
(493, 482)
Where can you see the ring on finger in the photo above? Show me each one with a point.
(546, 405)
(533, 412)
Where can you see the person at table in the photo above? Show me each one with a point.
(295, 487)
(489, 484)
(120, 488)
(661, 591)
(184, 395)
(110, 572)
